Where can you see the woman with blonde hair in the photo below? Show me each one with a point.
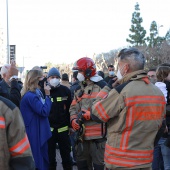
(35, 110)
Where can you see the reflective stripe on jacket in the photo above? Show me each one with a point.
(93, 130)
(15, 151)
(134, 116)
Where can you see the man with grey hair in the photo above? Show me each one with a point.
(9, 86)
(134, 110)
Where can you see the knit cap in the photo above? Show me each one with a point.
(53, 72)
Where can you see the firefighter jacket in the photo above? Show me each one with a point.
(83, 99)
(15, 152)
(134, 111)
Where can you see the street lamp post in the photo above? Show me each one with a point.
(159, 28)
(7, 33)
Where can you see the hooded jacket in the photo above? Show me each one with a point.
(134, 111)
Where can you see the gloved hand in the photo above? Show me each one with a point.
(75, 125)
(86, 115)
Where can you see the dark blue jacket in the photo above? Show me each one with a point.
(11, 92)
(73, 87)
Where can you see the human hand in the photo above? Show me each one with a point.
(75, 125)
(86, 115)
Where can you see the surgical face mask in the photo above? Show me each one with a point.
(111, 73)
(54, 82)
(119, 75)
(80, 77)
(152, 80)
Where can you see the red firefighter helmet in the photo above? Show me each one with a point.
(86, 65)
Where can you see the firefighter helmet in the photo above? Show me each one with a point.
(85, 65)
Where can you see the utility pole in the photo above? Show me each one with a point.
(8, 62)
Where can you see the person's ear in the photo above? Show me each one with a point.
(127, 67)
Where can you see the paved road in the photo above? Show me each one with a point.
(59, 165)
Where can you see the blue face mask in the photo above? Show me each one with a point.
(111, 73)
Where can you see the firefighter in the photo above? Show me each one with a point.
(90, 152)
(134, 111)
(59, 120)
(15, 151)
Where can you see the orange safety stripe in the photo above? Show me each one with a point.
(102, 94)
(128, 153)
(73, 103)
(129, 124)
(2, 122)
(142, 116)
(145, 99)
(125, 162)
(20, 147)
(94, 130)
(90, 96)
(148, 113)
(87, 96)
(101, 111)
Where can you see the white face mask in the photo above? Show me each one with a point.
(54, 82)
(80, 77)
(119, 75)
(111, 73)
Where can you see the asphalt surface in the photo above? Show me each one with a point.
(59, 161)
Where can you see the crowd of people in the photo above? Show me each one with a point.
(120, 121)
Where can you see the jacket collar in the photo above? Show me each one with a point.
(136, 75)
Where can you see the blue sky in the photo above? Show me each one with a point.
(61, 31)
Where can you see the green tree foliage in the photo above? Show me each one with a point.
(154, 39)
(137, 36)
(167, 36)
